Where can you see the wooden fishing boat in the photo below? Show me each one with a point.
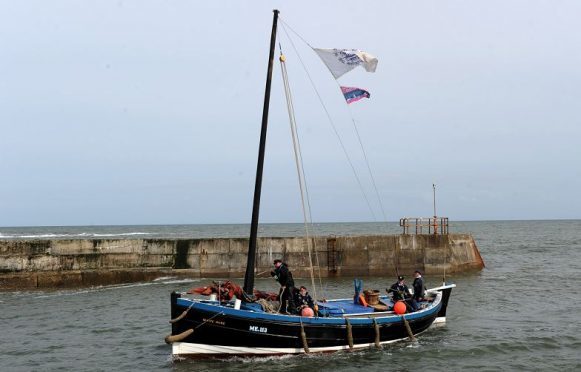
(210, 328)
(244, 326)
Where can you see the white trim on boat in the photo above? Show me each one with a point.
(191, 349)
(441, 288)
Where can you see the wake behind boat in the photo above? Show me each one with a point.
(241, 321)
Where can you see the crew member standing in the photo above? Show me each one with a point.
(419, 289)
(287, 286)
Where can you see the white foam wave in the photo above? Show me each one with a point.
(173, 280)
(164, 278)
(79, 235)
(179, 281)
(258, 359)
(131, 285)
(33, 236)
(123, 234)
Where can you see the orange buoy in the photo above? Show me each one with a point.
(399, 307)
(307, 312)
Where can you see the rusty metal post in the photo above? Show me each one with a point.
(435, 215)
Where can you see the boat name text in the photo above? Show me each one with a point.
(212, 321)
(258, 329)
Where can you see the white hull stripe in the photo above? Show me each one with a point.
(186, 348)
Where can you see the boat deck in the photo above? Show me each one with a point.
(343, 307)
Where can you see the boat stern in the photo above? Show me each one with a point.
(446, 290)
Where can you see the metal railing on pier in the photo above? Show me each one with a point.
(424, 225)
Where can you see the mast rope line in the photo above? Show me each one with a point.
(372, 177)
(308, 198)
(368, 166)
(284, 25)
(352, 119)
(331, 122)
(299, 163)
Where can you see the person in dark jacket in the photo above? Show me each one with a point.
(399, 290)
(284, 277)
(303, 299)
(419, 290)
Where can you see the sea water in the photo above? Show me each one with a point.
(522, 312)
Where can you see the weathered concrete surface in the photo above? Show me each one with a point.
(78, 263)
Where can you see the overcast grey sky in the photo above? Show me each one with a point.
(148, 112)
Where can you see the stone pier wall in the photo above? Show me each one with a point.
(77, 263)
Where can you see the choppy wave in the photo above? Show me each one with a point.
(188, 231)
(498, 319)
(74, 292)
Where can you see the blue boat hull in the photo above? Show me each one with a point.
(209, 328)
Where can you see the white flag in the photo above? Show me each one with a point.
(341, 61)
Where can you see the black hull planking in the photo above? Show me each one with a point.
(228, 330)
(445, 298)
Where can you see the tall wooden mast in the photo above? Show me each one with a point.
(249, 276)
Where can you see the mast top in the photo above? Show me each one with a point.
(251, 259)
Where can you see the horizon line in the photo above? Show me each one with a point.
(284, 223)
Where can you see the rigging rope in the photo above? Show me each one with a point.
(299, 164)
(285, 25)
(329, 119)
(445, 262)
(368, 167)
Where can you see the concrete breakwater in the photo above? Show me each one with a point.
(87, 262)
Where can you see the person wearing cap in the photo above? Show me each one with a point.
(284, 277)
(399, 290)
